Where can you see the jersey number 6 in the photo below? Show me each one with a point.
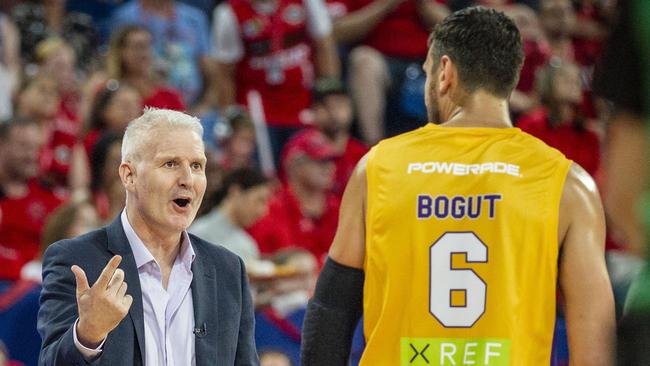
(456, 296)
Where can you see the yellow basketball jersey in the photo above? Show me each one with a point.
(461, 248)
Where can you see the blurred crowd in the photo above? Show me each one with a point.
(291, 94)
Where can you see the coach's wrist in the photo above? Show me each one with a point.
(89, 337)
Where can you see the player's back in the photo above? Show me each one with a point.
(461, 248)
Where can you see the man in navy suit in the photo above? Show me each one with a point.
(187, 301)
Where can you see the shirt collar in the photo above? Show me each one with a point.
(142, 255)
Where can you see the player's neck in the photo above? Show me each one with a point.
(480, 109)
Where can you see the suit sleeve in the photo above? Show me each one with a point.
(246, 351)
(58, 311)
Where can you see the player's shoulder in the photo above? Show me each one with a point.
(394, 145)
(406, 136)
(535, 145)
(579, 185)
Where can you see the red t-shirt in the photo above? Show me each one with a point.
(166, 98)
(286, 227)
(21, 225)
(581, 146)
(388, 37)
(345, 164)
(55, 157)
(277, 60)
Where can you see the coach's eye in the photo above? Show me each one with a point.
(170, 164)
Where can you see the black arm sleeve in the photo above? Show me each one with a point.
(332, 315)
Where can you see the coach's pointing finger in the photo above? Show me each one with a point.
(102, 306)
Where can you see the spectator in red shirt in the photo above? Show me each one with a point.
(393, 35)
(24, 200)
(558, 122)
(304, 213)
(130, 59)
(39, 100)
(113, 108)
(333, 116)
(276, 48)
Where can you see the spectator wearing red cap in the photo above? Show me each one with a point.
(304, 213)
(333, 116)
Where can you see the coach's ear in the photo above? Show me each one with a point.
(128, 176)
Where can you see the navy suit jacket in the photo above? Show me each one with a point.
(223, 309)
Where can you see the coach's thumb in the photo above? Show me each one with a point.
(80, 277)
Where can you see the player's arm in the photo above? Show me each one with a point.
(333, 312)
(583, 277)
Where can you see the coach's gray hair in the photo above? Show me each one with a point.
(152, 119)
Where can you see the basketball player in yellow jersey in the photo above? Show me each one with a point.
(453, 237)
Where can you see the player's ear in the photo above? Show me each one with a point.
(127, 175)
(447, 75)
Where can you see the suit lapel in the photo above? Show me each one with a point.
(204, 297)
(119, 244)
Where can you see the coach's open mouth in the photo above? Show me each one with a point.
(182, 202)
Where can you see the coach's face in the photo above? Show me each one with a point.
(169, 178)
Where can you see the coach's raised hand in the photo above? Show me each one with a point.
(102, 306)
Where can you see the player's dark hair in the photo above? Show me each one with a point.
(486, 47)
(244, 178)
